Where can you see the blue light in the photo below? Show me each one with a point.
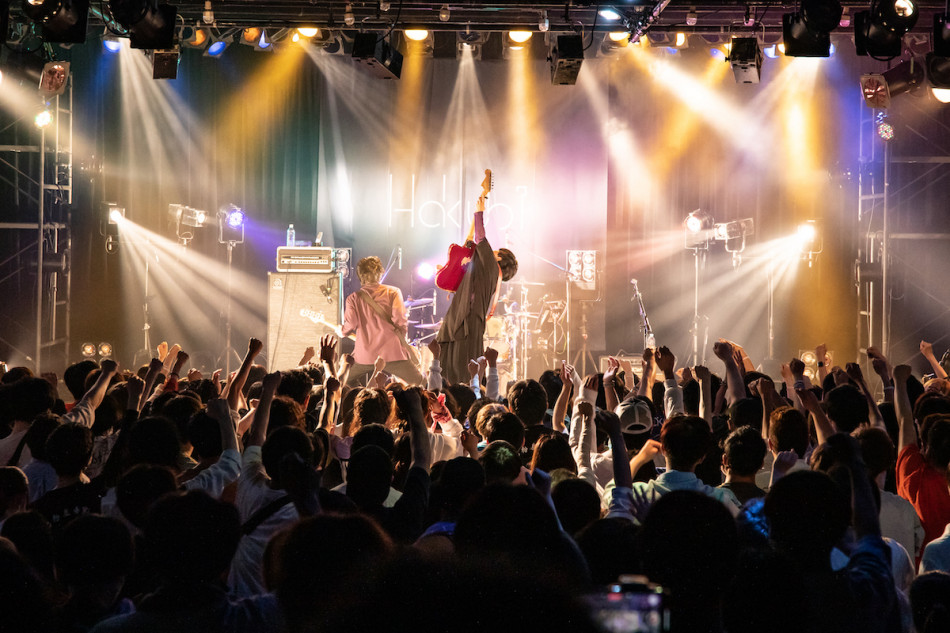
(831, 50)
(672, 51)
(263, 43)
(717, 54)
(113, 46)
(217, 48)
(771, 51)
(235, 218)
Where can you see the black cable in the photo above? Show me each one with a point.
(593, 27)
(395, 22)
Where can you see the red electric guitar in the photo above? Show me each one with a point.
(450, 275)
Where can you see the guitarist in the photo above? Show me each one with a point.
(463, 328)
(377, 314)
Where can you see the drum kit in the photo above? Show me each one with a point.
(519, 328)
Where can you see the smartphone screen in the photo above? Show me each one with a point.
(631, 607)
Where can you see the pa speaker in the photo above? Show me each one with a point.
(301, 307)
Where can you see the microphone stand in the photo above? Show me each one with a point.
(649, 340)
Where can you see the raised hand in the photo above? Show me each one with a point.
(491, 356)
(469, 442)
(162, 350)
(784, 462)
(108, 366)
(308, 354)
(328, 349)
(902, 373)
(701, 373)
(840, 377)
(797, 367)
(435, 348)
(821, 353)
(194, 375)
(666, 361)
(134, 387)
(927, 349)
(613, 365)
(723, 350)
(854, 372)
(626, 367)
(254, 347)
(586, 409)
(482, 365)
(332, 388)
(349, 361)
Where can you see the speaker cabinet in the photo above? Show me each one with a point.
(301, 307)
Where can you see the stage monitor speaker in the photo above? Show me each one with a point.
(301, 307)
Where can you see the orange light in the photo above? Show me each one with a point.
(251, 35)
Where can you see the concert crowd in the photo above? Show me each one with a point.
(649, 498)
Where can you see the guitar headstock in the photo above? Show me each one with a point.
(487, 183)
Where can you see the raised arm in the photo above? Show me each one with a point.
(649, 375)
(629, 380)
(434, 379)
(408, 401)
(823, 426)
(331, 394)
(765, 389)
(328, 354)
(610, 391)
(704, 378)
(927, 349)
(883, 369)
(623, 478)
(236, 386)
(735, 385)
(492, 381)
(563, 398)
(906, 433)
(672, 392)
(258, 431)
(821, 355)
(582, 424)
(874, 413)
(151, 377)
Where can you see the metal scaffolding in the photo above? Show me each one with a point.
(51, 177)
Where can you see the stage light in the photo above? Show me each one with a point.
(809, 241)
(53, 79)
(680, 41)
(88, 350)
(745, 57)
(698, 220)
(116, 214)
(218, 45)
(105, 350)
(808, 357)
(151, 26)
(416, 35)
(251, 35)
(199, 38)
(879, 88)
(885, 130)
(425, 270)
(43, 118)
(610, 14)
(566, 58)
(692, 18)
(519, 37)
(111, 42)
(444, 13)
(618, 36)
(207, 15)
(384, 6)
(879, 32)
(582, 269)
(308, 31)
(263, 42)
(941, 94)
(231, 223)
(348, 18)
(808, 33)
(543, 22)
(62, 20)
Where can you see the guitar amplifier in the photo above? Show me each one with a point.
(316, 259)
(301, 307)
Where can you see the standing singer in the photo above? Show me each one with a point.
(377, 314)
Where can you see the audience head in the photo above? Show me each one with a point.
(847, 408)
(282, 442)
(372, 406)
(180, 410)
(75, 377)
(501, 462)
(460, 478)
(788, 431)
(14, 491)
(374, 435)
(685, 439)
(611, 548)
(285, 411)
(140, 487)
(505, 427)
(191, 537)
(877, 450)
(935, 440)
(577, 504)
(295, 384)
(636, 421)
(369, 476)
(930, 602)
(550, 380)
(204, 434)
(26, 398)
(69, 448)
(94, 550)
(154, 440)
(746, 412)
(744, 452)
(528, 401)
(38, 434)
(553, 451)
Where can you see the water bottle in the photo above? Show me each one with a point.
(650, 340)
(291, 235)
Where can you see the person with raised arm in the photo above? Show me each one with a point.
(672, 392)
(927, 351)
(463, 327)
(922, 471)
(377, 315)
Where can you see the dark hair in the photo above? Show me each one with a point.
(325, 561)
(179, 410)
(746, 412)
(369, 477)
(847, 408)
(504, 426)
(461, 477)
(296, 384)
(154, 440)
(190, 538)
(75, 377)
(877, 449)
(508, 264)
(140, 487)
(767, 594)
(458, 399)
(611, 548)
(788, 431)
(26, 398)
(685, 439)
(553, 451)
(282, 442)
(371, 406)
(93, 549)
(481, 412)
(30, 532)
(550, 380)
(285, 411)
(13, 484)
(204, 433)
(528, 400)
(23, 597)
(930, 602)
(935, 440)
(577, 504)
(374, 435)
(807, 513)
(39, 432)
(930, 403)
(69, 448)
(501, 462)
(745, 451)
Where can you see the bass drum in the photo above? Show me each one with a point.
(496, 337)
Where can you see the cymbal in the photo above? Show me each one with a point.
(416, 303)
(411, 322)
(525, 283)
(428, 326)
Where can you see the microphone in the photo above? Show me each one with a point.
(399, 257)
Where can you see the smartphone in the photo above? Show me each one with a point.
(632, 605)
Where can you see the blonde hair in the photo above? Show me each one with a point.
(369, 270)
